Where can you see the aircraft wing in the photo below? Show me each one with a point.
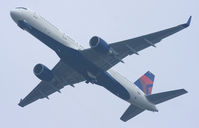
(63, 75)
(129, 47)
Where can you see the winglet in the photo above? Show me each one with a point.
(20, 103)
(188, 22)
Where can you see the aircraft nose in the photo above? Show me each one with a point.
(15, 15)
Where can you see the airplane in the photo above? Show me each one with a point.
(93, 65)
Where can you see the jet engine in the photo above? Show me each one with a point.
(42, 72)
(99, 45)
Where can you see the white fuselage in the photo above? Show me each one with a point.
(137, 97)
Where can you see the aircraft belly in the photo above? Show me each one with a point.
(111, 84)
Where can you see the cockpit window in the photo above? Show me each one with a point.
(21, 8)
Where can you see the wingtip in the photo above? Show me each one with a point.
(187, 24)
(122, 119)
(185, 91)
(20, 103)
(189, 21)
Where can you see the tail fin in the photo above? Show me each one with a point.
(145, 82)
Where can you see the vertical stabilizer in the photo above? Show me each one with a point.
(145, 82)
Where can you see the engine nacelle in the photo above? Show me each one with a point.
(99, 45)
(42, 72)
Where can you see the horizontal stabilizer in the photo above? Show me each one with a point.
(164, 96)
(131, 112)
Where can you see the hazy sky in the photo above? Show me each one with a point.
(174, 62)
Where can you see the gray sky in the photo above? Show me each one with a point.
(174, 62)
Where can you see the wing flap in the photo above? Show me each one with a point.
(131, 112)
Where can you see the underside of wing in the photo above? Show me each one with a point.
(63, 75)
(129, 47)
